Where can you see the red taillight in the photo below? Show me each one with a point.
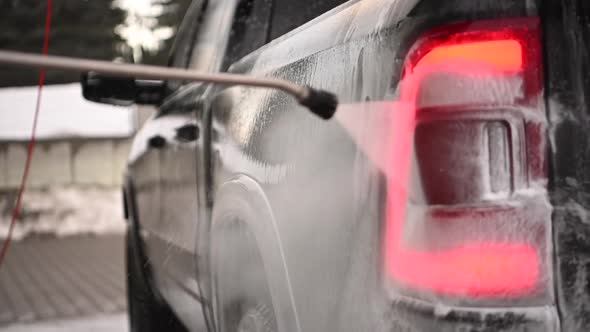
(472, 270)
(467, 210)
(503, 55)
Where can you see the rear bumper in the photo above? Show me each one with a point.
(410, 315)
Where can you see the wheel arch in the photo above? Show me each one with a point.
(244, 200)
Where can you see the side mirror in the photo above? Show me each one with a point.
(122, 91)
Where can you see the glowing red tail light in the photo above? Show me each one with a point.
(467, 212)
(504, 55)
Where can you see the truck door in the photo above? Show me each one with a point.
(171, 157)
(235, 26)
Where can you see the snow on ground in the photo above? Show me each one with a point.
(64, 211)
(114, 323)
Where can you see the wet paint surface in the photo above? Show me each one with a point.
(425, 205)
(568, 116)
(325, 181)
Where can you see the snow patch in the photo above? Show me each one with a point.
(64, 211)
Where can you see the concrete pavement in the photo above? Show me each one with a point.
(102, 323)
(50, 279)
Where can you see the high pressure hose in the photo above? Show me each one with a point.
(31, 148)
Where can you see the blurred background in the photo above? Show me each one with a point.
(65, 268)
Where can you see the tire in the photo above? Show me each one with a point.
(146, 313)
(242, 298)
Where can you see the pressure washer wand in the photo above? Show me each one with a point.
(322, 103)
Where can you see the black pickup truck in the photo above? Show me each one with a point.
(449, 193)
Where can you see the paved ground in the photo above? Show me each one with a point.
(102, 323)
(49, 279)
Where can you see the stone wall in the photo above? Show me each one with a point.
(98, 162)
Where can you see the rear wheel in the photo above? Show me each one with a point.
(243, 300)
(146, 313)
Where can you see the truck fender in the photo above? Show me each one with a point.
(243, 199)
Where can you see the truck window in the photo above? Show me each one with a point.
(288, 14)
(230, 29)
(249, 30)
(186, 34)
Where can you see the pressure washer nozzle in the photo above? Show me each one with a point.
(319, 102)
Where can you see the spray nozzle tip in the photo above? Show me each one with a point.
(319, 102)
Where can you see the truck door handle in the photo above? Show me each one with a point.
(157, 142)
(187, 133)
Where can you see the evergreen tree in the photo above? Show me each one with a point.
(168, 17)
(84, 29)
